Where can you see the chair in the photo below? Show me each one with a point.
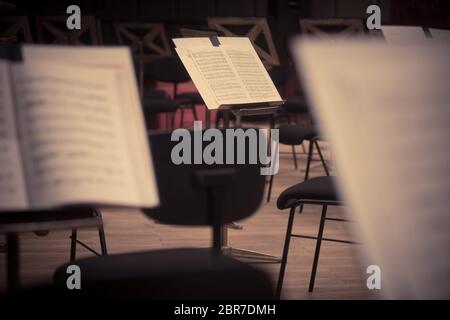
(156, 102)
(12, 224)
(187, 32)
(317, 191)
(323, 28)
(15, 29)
(53, 30)
(295, 135)
(255, 28)
(171, 70)
(190, 195)
(147, 41)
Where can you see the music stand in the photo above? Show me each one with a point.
(252, 109)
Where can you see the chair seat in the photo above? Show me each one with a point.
(320, 188)
(155, 105)
(296, 104)
(169, 274)
(295, 134)
(155, 94)
(190, 98)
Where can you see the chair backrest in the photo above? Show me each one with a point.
(15, 29)
(7, 6)
(183, 189)
(146, 40)
(167, 69)
(327, 27)
(197, 33)
(53, 30)
(255, 28)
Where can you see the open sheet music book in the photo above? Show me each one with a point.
(71, 131)
(385, 110)
(228, 72)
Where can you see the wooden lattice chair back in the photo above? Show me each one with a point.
(197, 33)
(146, 40)
(328, 27)
(15, 29)
(255, 28)
(53, 30)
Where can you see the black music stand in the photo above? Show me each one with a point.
(239, 111)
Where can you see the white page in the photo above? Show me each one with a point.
(213, 75)
(250, 69)
(440, 34)
(118, 58)
(387, 117)
(231, 73)
(403, 34)
(73, 140)
(12, 183)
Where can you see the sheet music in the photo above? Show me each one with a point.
(118, 58)
(230, 73)
(12, 183)
(211, 69)
(440, 34)
(387, 118)
(253, 74)
(403, 34)
(72, 137)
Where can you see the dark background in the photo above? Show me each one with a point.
(283, 14)
(428, 13)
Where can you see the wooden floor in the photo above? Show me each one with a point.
(341, 272)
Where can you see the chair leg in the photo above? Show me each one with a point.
(172, 115)
(308, 165)
(294, 156)
(285, 253)
(303, 148)
(269, 192)
(101, 233)
(73, 245)
(308, 161)
(194, 111)
(317, 253)
(325, 167)
(181, 117)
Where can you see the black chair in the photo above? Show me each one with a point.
(12, 224)
(156, 102)
(295, 135)
(171, 70)
(190, 195)
(318, 191)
